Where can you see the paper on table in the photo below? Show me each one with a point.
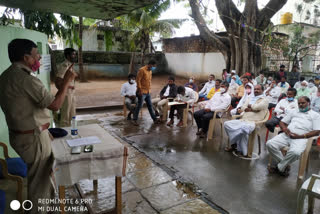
(83, 141)
(175, 103)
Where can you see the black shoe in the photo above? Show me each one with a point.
(199, 132)
(129, 116)
(135, 123)
(157, 113)
(285, 173)
(203, 135)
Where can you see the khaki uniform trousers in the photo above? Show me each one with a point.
(161, 106)
(35, 150)
(68, 110)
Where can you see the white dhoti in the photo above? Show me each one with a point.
(238, 132)
(296, 147)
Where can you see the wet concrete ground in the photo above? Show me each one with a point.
(174, 172)
(232, 184)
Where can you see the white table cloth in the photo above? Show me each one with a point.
(109, 158)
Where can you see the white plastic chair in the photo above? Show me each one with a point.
(310, 187)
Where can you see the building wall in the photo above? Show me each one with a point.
(192, 56)
(199, 65)
(8, 33)
(97, 64)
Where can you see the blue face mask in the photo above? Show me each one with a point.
(153, 68)
(304, 109)
(290, 99)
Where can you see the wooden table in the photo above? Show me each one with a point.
(109, 158)
(185, 111)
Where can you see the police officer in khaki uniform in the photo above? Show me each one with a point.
(26, 103)
(68, 109)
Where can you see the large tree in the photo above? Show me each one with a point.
(241, 47)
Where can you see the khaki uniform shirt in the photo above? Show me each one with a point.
(144, 80)
(62, 69)
(24, 99)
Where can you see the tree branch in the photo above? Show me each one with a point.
(228, 12)
(268, 12)
(205, 32)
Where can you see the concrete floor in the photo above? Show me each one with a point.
(232, 184)
(186, 174)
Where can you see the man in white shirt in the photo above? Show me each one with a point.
(207, 87)
(255, 109)
(297, 85)
(128, 90)
(261, 79)
(315, 101)
(185, 95)
(297, 126)
(283, 85)
(220, 101)
(282, 109)
(273, 93)
(312, 88)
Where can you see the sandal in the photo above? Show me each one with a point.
(180, 124)
(170, 123)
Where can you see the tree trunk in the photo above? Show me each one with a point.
(244, 38)
(131, 66)
(80, 56)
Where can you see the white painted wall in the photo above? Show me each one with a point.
(199, 65)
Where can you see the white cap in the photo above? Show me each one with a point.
(233, 71)
(305, 82)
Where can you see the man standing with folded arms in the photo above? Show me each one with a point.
(26, 103)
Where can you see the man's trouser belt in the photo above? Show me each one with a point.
(41, 128)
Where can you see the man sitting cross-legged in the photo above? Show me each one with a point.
(254, 109)
(220, 101)
(160, 105)
(297, 126)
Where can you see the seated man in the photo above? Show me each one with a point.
(283, 85)
(272, 94)
(220, 101)
(240, 92)
(312, 88)
(160, 105)
(255, 109)
(269, 81)
(261, 79)
(297, 85)
(248, 94)
(315, 101)
(185, 95)
(215, 89)
(296, 127)
(128, 90)
(191, 84)
(303, 90)
(233, 87)
(207, 87)
(233, 73)
(282, 109)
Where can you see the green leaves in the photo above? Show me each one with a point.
(144, 23)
